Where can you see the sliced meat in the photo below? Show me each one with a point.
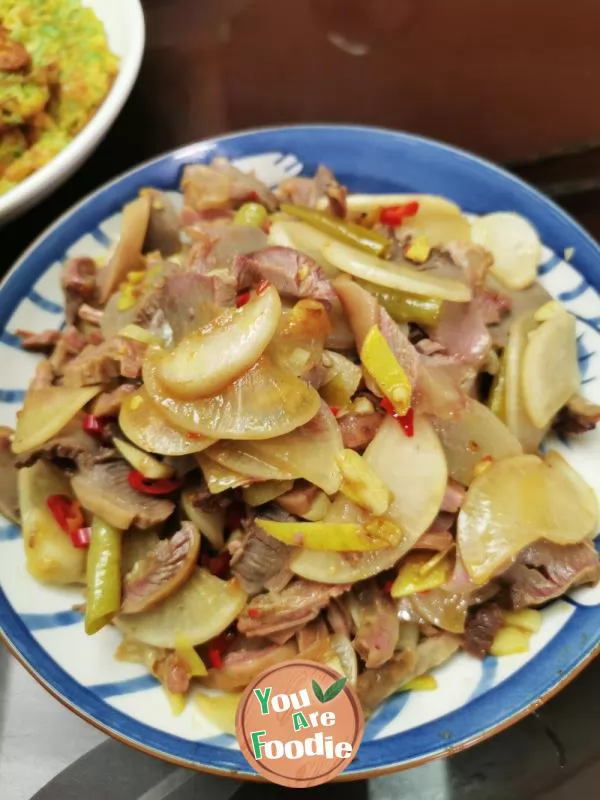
(299, 499)
(481, 627)
(300, 602)
(71, 444)
(315, 631)
(358, 430)
(493, 305)
(243, 186)
(474, 261)
(259, 559)
(453, 497)
(173, 672)
(462, 332)
(101, 363)
(9, 495)
(242, 665)
(190, 300)
(42, 342)
(108, 404)
(578, 416)
(71, 342)
(104, 490)
(376, 685)
(78, 282)
(291, 272)
(544, 571)
(220, 185)
(308, 191)
(162, 234)
(339, 618)
(378, 628)
(162, 571)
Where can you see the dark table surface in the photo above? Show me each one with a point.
(512, 81)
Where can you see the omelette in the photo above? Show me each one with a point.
(55, 70)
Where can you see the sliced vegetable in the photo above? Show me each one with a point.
(334, 536)
(158, 487)
(443, 609)
(427, 203)
(515, 245)
(342, 379)
(549, 369)
(303, 237)
(402, 277)
(219, 709)
(186, 651)
(497, 398)
(406, 421)
(472, 434)
(379, 360)
(49, 552)
(219, 478)
(300, 338)
(356, 235)
(361, 484)
(319, 508)
(260, 493)
(103, 596)
(238, 457)
(66, 512)
(403, 307)
(81, 537)
(203, 607)
(515, 502)
(207, 361)
(418, 250)
(149, 467)
(411, 578)
(139, 334)
(253, 214)
(265, 402)
(342, 646)
(527, 619)
(211, 524)
(510, 641)
(46, 411)
(395, 215)
(147, 428)
(424, 683)
(95, 426)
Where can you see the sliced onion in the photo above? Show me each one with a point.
(147, 428)
(473, 433)
(517, 416)
(515, 245)
(300, 236)
(549, 370)
(515, 502)
(202, 609)
(46, 411)
(265, 402)
(395, 276)
(308, 452)
(206, 361)
(439, 227)
(299, 341)
(443, 609)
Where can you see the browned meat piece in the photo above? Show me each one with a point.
(43, 376)
(462, 332)
(108, 404)
(453, 497)
(378, 627)
(308, 191)
(42, 342)
(78, 282)
(220, 185)
(244, 187)
(291, 272)
(299, 603)
(299, 499)
(493, 306)
(162, 571)
(173, 672)
(162, 235)
(358, 430)
(376, 685)
(578, 416)
(315, 631)
(104, 490)
(481, 627)
(544, 571)
(70, 344)
(259, 559)
(72, 444)
(101, 363)
(13, 55)
(240, 666)
(190, 300)
(9, 496)
(339, 618)
(86, 313)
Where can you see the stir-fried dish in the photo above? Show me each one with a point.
(305, 423)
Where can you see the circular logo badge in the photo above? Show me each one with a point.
(299, 724)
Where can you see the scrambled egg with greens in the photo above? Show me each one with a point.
(55, 71)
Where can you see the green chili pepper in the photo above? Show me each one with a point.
(348, 232)
(252, 214)
(405, 307)
(497, 398)
(103, 576)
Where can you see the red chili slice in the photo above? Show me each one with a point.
(66, 512)
(141, 484)
(254, 613)
(242, 299)
(81, 537)
(407, 421)
(93, 425)
(334, 410)
(395, 215)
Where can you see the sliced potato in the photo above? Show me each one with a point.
(207, 361)
(515, 245)
(147, 428)
(549, 369)
(149, 467)
(342, 379)
(403, 277)
(219, 478)
(237, 457)
(257, 494)
(211, 524)
(49, 552)
(264, 402)
(334, 536)
(46, 411)
(203, 608)
(428, 203)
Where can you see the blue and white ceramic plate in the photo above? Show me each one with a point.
(474, 699)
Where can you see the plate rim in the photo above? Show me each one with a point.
(186, 154)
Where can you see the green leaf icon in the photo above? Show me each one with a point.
(334, 690)
(318, 692)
